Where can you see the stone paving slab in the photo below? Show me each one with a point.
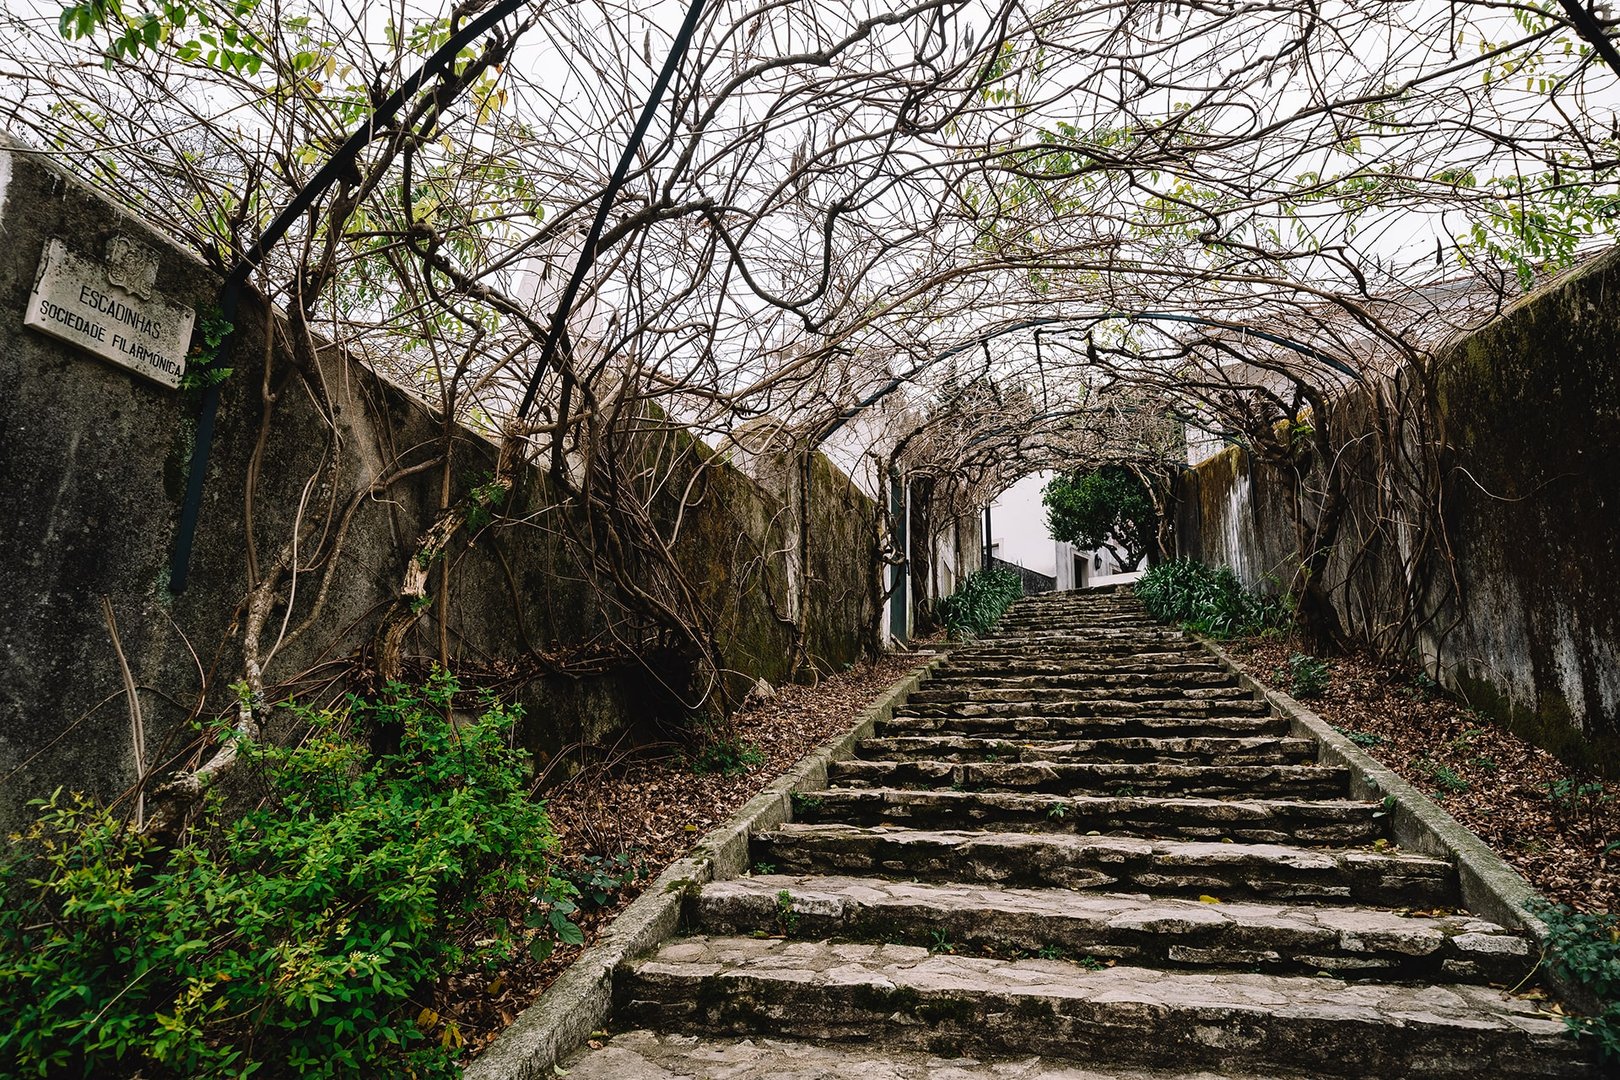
(912, 998)
(1273, 871)
(1056, 722)
(1207, 749)
(1353, 941)
(647, 1055)
(1085, 778)
(1339, 822)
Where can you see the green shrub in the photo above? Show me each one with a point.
(1108, 508)
(1306, 676)
(983, 598)
(1210, 601)
(728, 757)
(1585, 949)
(296, 940)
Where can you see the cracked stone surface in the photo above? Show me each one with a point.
(649, 1055)
(908, 996)
(1269, 821)
(1124, 927)
(1083, 852)
(1087, 862)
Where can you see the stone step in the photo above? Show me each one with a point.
(1078, 624)
(1088, 778)
(1208, 750)
(957, 682)
(904, 996)
(1081, 640)
(1335, 822)
(1045, 694)
(1016, 725)
(954, 668)
(651, 1055)
(1167, 867)
(1351, 942)
(1098, 707)
(1081, 645)
(1072, 653)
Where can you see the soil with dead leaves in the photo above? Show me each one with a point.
(651, 807)
(1555, 826)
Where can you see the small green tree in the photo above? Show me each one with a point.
(1107, 508)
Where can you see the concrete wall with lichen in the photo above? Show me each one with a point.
(91, 479)
(1524, 594)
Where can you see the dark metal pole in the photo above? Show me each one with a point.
(587, 257)
(988, 546)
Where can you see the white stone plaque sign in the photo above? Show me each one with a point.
(112, 309)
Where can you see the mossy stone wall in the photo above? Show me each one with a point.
(90, 488)
(1528, 411)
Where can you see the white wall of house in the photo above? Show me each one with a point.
(1018, 525)
(1018, 528)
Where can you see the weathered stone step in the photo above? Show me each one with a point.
(1046, 694)
(1084, 778)
(954, 669)
(1080, 645)
(1208, 750)
(1075, 624)
(1335, 822)
(904, 996)
(959, 682)
(650, 1055)
(1017, 725)
(1089, 621)
(1071, 653)
(1095, 707)
(1352, 942)
(1168, 867)
(1086, 639)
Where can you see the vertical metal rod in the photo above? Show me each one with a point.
(587, 256)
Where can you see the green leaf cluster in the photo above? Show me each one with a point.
(290, 941)
(727, 756)
(1210, 601)
(1107, 507)
(1585, 949)
(202, 362)
(982, 599)
(1306, 676)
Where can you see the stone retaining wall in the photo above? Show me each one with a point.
(1530, 411)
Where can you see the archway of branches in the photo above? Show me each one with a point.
(927, 238)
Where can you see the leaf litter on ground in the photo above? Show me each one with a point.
(1554, 824)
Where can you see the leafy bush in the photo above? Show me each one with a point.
(983, 598)
(288, 942)
(1585, 949)
(1210, 601)
(1307, 677)
(729, 756)
(1108, 507)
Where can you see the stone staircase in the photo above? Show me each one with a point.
(1083, 851)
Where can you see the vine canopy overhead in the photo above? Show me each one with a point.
(967, 239)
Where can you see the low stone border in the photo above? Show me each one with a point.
(1490, 887)
(580, 1000)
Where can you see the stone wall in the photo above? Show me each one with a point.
(1034, 581)
(1529, 411)
(91, 478)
